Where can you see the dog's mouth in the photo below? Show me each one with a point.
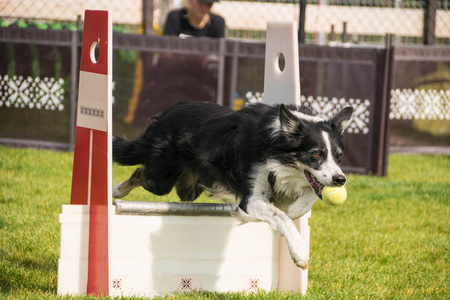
(317, 186)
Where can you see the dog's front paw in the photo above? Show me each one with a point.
(299, 255)
(301, 264)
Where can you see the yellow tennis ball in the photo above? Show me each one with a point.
(334, 195)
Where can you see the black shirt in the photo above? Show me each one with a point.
(177, 23)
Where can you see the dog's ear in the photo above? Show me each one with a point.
(340, 120)
(289, 123)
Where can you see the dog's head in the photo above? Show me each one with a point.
(313, 145)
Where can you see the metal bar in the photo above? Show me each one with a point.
(23, 143)
(73, 87)
(378, 143)
(35, 36)
(221, 72)
(147, 16)
(344, 32)
(373, 120)
(384, 124)
(234, 72)
(429, 22)
(421, 53)
(302, 19)
(174, 208)
(331, 38)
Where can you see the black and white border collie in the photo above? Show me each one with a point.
(273, 161)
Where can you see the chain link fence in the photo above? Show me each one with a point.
(326, 21)
(127, 15)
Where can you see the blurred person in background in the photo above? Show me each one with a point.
(170, 78)
(195, 19)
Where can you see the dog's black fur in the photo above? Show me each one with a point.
(274, 161)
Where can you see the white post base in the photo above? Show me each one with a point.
(158, 255)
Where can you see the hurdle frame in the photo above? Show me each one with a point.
(106, 252)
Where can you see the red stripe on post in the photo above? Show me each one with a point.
(80, 171)
(99, 185)
(98, 277)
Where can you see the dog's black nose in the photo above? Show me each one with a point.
(339, 180)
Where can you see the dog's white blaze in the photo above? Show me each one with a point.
(276, 125)
(306, 117)
(301, 116)
(329, 168)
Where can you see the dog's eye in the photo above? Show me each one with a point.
(339, 158)
(317, 154)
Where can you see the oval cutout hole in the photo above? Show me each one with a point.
(281, 61)
(95, 52)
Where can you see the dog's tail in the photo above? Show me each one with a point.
(128, 153)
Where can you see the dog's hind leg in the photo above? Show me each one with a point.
(149, 179)
(122, 189)
(187, 187)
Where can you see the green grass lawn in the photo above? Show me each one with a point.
(390, 239)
